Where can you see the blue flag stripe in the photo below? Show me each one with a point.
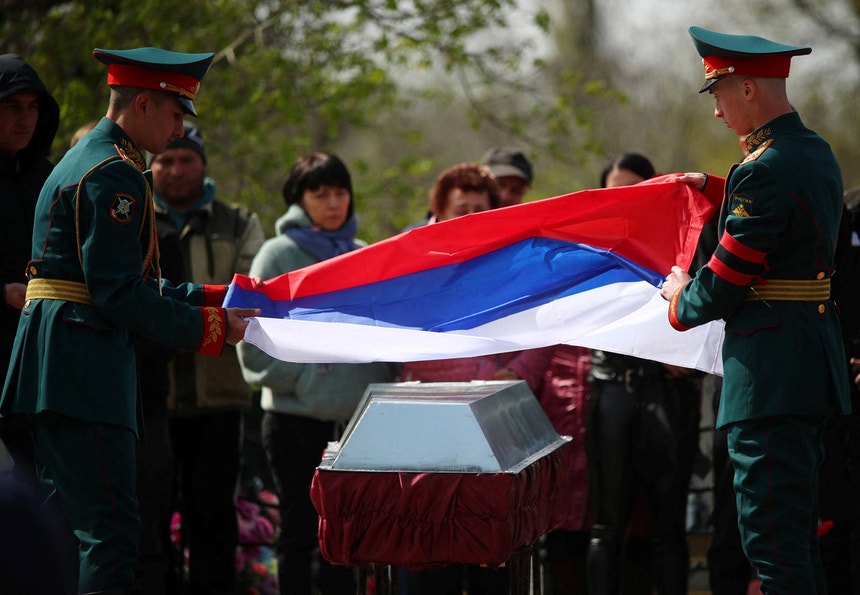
(465, 295)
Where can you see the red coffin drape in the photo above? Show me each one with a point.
(421, 520)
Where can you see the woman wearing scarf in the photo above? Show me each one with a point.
(307, 405)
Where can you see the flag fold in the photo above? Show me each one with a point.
(583, 269)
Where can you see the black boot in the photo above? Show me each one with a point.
(604, 561)
(670, 561)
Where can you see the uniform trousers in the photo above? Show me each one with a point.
(776, 462)
(89, 469)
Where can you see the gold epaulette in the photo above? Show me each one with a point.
(792, 290)
(58, 289)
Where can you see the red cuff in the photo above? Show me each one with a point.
(214, 331)
(715, 191)
(213, 295)
(673, 312)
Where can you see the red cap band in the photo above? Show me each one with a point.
(770, 66)
(128, 75)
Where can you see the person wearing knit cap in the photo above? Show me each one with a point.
(94, 286)
(210, 241)
(769, 280)
(513, 173)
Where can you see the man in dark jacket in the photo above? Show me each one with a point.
(210, 241)
(29, 117)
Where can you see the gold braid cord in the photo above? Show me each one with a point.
(152, 258)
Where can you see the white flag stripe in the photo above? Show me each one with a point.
(629, 318)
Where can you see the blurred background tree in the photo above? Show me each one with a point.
(402, 89)
(371, 80)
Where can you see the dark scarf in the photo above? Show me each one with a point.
(322, 244)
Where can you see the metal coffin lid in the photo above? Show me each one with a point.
(455, 427)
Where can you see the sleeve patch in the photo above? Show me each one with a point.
(740, 211)
(122, 209)
(741, 205)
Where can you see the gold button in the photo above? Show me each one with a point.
(27, 304)
(820, 275)
(821, 308)
(32, 270)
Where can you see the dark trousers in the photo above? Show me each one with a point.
(646, 437)
(566, 552)
(155, 572)
(840, 503)
(776, 462)
(455, 579)
(294, 446)
(89, 469)
(206, 451)
(30, 562)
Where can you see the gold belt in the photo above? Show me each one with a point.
(58, 289)
(794, 290)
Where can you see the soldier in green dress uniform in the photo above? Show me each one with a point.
(769, 279)
(94, 284)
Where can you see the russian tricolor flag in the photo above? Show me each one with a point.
(583, 269)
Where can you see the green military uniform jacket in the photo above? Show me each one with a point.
(778, 225)
(94, 250)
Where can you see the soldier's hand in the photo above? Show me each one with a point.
(237, 322)
(855, 365)
(695, 179)
(677, 278)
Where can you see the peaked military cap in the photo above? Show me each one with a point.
(154, 68)
(724, 54)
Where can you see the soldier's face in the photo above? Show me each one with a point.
(18, 116)
(177, 176)
(163, 117)
(730, 104)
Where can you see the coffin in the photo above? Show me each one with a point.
(428, 474)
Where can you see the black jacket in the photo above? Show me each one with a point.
(21, 179)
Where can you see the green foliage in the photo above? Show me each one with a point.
(295, 76)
